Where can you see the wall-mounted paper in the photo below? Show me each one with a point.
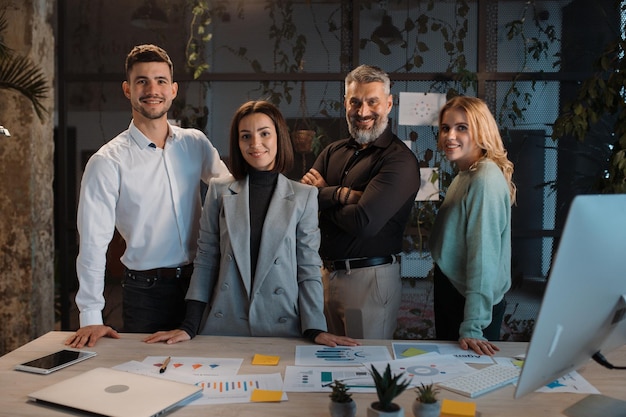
(420, 109)
(429, 185)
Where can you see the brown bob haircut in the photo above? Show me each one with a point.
(284, 155)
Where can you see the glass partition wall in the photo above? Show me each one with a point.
(525, 58)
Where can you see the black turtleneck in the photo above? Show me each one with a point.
(262, 185)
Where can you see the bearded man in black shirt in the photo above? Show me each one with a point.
(367, 185)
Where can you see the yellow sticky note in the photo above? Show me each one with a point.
(264, 395)
(451, 408)
(413, 352)
(265, 360)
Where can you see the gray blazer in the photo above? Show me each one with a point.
(287, 295)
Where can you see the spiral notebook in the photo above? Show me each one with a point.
(114, 393)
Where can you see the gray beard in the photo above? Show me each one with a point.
(365, 137)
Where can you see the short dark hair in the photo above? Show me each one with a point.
(284, 156)
(147, 53)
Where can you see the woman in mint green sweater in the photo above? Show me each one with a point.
(471, 239)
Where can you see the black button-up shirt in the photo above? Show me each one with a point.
(388, 173)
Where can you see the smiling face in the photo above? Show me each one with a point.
(150, 89)
(258, 141)
(367, 107)
(455, 139)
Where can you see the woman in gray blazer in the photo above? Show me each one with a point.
(257, 269)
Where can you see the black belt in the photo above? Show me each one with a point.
(177, 272)
(354, 263)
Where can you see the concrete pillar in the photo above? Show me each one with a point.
(26, 175)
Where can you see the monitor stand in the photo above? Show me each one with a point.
(597, 405)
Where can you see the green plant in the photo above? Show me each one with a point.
(202, 12)
(340, 392)
(388, 387)
(600, 102)
(427, 394)
(21, 74)
(536, 48)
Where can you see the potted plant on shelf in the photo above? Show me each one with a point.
(426, 403)
(388, 387)
(341, 402)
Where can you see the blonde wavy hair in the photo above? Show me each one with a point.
(485, 132)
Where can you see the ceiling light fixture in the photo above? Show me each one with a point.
(149, 16)
(387, 32)
(4, 131)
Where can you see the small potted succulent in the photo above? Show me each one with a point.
(426, 403)
(341, 402)
(388, 387)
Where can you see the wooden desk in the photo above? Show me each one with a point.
(17, 385)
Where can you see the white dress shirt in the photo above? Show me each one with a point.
(151, 195)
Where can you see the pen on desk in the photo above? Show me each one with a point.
(164, 366)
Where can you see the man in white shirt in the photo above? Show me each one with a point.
(146, 183)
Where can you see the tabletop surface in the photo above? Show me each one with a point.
(17, 385)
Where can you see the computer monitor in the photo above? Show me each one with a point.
(584, 305)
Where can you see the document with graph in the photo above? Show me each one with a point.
(427, 368)
(307, 355)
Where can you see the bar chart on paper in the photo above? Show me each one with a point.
(237, 388)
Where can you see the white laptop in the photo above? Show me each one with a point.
(114, 393)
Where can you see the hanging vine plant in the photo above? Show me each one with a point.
(601, 101)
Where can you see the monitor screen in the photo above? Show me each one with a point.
(583, 309)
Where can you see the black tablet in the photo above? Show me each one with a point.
(55, 361)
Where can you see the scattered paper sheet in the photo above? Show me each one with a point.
(197, 367)
(427, 368)
(572, 382)
(219, 386)
(319, 378)
(420, 109)
(429, 189)
(240, 388)
(408, 349)
(340, 355)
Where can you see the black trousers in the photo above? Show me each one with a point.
(450, 310)
(152, 302)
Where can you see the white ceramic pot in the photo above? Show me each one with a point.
(372, 412)
(342, 409)
(421, 409)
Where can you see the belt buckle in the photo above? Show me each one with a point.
(347, 266)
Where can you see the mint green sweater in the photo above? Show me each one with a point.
(471, 242)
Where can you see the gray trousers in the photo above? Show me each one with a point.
(363, 303)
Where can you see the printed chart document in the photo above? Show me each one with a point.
(319, 378)
(197, 367)
(408, 349)
(239, 388)
(571, 382)
(217, 377)
(427, 368)
(339, 356)
(419, 109)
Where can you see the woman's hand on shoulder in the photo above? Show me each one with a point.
(169, 337)
(332, 340)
